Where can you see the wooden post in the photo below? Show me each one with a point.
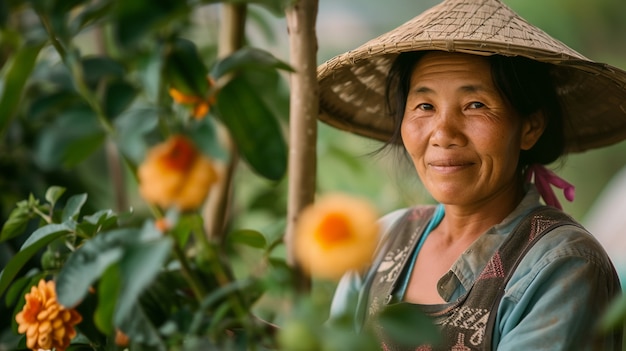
(304, 106)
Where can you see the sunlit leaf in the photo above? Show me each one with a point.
(53, 194)
(73, 206)
(35, 242)
(12, 80)
(254, 128)
(247, 237)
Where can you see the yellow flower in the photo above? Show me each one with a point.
(336, 234)
(176, 173)
(200, 105)
(45, 322)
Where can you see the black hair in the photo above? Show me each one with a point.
(526, 84)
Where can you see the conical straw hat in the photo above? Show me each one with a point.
(593, 95)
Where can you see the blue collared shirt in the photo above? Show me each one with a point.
(553, 300)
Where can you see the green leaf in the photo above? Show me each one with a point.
(81, 148)
(140, 329)
(108, 292)
(247, 58)
(185, 69)
(138, 268)
(16, 223)
(615, 315)
(99, 68)
(247, 237)
(53, 194)
(88, 262)
(253, 127)
(14, 76)
(37, 240)
(68, 140)
(119, 95)
(407, 324)
(73, 206)
(20, 287)
(132, 126)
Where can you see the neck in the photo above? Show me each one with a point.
(467, 222)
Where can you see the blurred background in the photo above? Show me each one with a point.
(597, 29)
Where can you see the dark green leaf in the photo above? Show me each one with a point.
(14, 76)
(108, 291)
(73, 206)
(39, 239)
(247, 237)
(119, 96)
(20, 287)
(138, 268)
(135, 19)
(89, 261)
(186, 70)
(73, 128)
(89, 14)
(81, 148)
(247, 58)
(140, 329)
(204, 135)
(98, 68)
(53, 194)
(254, 128)
(406, 324)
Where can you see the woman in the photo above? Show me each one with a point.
(480, 100)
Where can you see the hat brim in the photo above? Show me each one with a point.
(592, 95)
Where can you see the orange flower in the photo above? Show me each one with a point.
(200, 105)
(45, 322)
(336, 234)
(175, 173)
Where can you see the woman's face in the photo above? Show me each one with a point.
(463, 137)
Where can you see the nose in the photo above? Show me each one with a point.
(447, 129)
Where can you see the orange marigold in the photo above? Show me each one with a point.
(200, 105)
(336, 234)
(176, 173)
(45, 322)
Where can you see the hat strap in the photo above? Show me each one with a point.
(543, 179)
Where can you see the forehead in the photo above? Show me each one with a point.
(446, 65)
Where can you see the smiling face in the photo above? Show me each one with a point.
(464, 138)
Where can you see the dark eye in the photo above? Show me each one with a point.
(476, 104)
(426, 107)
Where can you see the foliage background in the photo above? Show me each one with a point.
(597, 29)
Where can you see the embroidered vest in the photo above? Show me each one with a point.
(466, 324)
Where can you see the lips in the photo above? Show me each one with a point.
(449, 165)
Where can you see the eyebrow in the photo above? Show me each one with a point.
(472, 88)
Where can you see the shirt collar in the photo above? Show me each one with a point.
(470, 264)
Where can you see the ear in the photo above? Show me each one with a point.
(532, 129)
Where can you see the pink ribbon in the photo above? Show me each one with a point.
(543, 179)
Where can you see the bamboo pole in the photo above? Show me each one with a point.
(301, 18)
(231, 39)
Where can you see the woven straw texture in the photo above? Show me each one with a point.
(593, 95)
